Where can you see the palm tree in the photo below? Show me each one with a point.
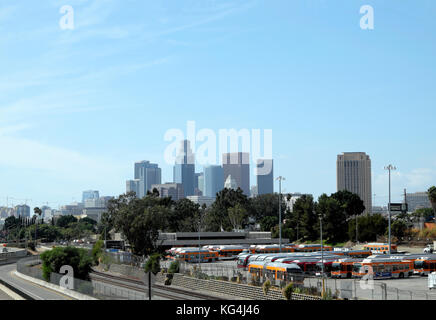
(432, 197)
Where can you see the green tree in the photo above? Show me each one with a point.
(217, 218)
(268, 223)
(78, 259)
(265, 205)
(97, 251)
(432, 197)
(140, 220)
(398, 228)
(350, 202)
(334, 219)
(303, 219)
(422, 213)
(184, 216)
(10, 223)
(64, 221)
(237, 216)
(153, 263)
(369, 227)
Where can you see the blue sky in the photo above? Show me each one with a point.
(78, 107)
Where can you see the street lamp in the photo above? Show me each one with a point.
(322, 254)
(390, 168)
(280, 178)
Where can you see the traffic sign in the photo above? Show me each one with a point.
(398, 207)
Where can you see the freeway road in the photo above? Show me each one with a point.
(35, 291)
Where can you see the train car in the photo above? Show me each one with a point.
(383, 268)
(382, 248)
(197, 255)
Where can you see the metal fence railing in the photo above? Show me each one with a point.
(353, 289)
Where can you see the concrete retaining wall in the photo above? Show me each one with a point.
(126, 270)
(70, 293)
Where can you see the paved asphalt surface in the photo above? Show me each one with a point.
(4, 296)
(33, 290)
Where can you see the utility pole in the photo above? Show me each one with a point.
(390, 168)
(280, 178)
(322, 255)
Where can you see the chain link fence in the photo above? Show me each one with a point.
(352, 289)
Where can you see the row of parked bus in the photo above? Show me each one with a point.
(232, 252)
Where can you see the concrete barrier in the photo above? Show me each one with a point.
(70, 293)
(126, 270)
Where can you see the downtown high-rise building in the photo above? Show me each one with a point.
(237, 165)
(417, 200)
(213, 180)
(133, 186)
(265, 176)
(353, 171)
(147, 174)
(184, 168)
(90, 194)
(173, 190)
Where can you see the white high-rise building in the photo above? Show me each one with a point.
(353, 170)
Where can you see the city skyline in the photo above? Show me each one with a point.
(78, 107)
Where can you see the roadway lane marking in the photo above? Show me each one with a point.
(10, 293)
(35, 284)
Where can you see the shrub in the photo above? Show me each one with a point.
(254, 280)
(327, 294)
(168, 279)
(288, 290)
(174, 267)
(153, 263)
(97, 251)
(78, 259)
(266, 286)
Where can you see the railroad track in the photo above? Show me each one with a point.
(137, 285)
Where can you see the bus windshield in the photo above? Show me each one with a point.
(419, 264)
(336, 267)
(356, 267)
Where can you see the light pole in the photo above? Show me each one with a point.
(280, 178)
(322, 254)
(390, 168)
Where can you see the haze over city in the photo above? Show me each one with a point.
(79, 107)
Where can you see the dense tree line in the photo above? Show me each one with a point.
(62, 228)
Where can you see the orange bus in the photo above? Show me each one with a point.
(425, 265)
(312, 248)
(196, 255)
(275, 271)
(229, 252)
(383, 268)
(380, 248)
(273, 248)
(343, 268)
